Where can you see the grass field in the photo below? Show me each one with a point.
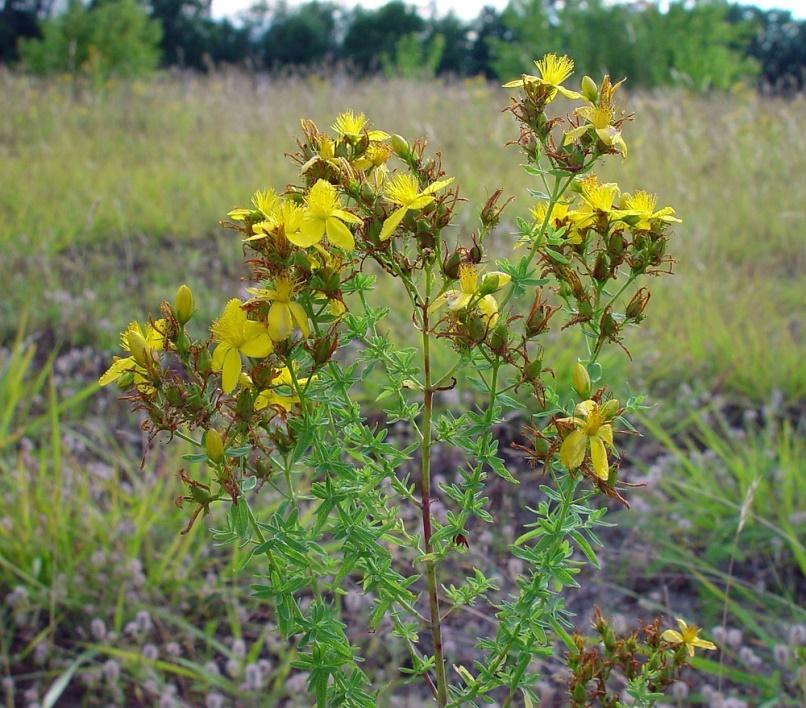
(109, 201)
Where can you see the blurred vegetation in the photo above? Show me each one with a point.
(145, 169)
(705, 44)
(110, 39)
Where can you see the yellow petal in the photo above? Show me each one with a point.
(440, 301)
(572, 135)
(420, 202)
(489, 308)
(239, 214)
(457, 299)
(347, 216)
(517, 83)
(231, 370)
(606, 434)
(229, 327)
(672, 637)
(339, 235)
(219, 354)
(300, 318)
(279, 321)
(585, 407)
(391, 223)
(599, 458)
(283, 376)
(262, 400)
(310, 232)
(119, 367)
(436, 186)
(258, 345)
(573, 95)
(572, 451)
(703, 644)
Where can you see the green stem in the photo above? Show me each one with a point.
(559, 189)
(503, 654)
(425, 494)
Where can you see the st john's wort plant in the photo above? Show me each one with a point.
(269, 399)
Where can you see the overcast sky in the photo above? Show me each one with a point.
(467, 9)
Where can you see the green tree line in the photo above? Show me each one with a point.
(704, 44)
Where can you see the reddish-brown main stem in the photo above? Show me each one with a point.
(425, 493)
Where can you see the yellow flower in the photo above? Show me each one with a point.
(597, 200)
(264, 204)
(324, 216)
(474, 291)
(284, 314)
(237, 335)
(687, 636)
(352, 126)
(642, 204)
(375, 156)
(404, 189)
(559, 220)
(598, 119)
(553, 71)
(285, 222)
(270, 397)
(592, 430)
(154, 340)
(326, 153)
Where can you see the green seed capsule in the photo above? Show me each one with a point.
(214, 445)
(581, 381)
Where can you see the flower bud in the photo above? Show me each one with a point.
(125, 380)
(491, 211)
(451, 263)
(589, 89)
(475, 253)
(138, 347)
(499, 339)
(609, 409)
(601, 271)
(367, 193)
(323, 348)
(491, 282)
(173, 394)
(637, 304)
(615, 246)
(204, 362)
(537, 321)
(183, 304)
(214, 445)
(569, 275)
(533, 369)
(581, 381)
(608, 326)
(244, 406)
(477, 328)
(400, 146)
(540, 447)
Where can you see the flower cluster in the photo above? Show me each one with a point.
(260, 390)
(648, 659)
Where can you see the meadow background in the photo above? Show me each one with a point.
(111, 188)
